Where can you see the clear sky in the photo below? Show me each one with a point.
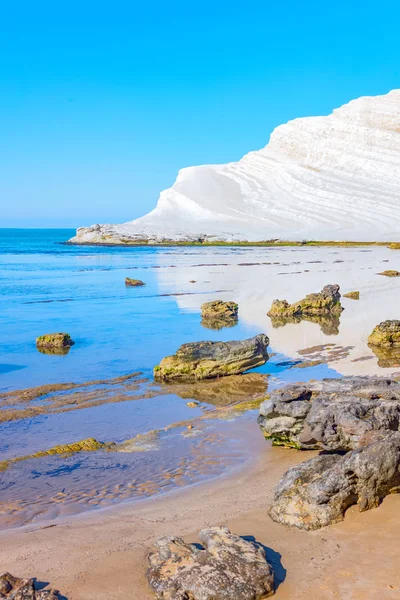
(102, 103)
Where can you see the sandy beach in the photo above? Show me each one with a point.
(103, 555)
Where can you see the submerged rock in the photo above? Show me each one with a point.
(133, 282)
(54, 341)
(325, 301)
(390, 273)
(205, 360)
(328, 322)
(352, 295)
(386, 334)
(227, 567)
(317, 492)
(15, 588)
(333, 414)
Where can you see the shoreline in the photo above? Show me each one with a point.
(262, 244)
(102, 555)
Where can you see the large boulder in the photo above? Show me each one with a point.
(318, 491)
(325, 301)
(15, 588)
(333, 414)
(227, 567)
(205, 360)
(218, 314)
(386, 334)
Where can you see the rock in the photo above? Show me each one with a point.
(386, 334)
(218, 314)
(15, 588)
(133, 282)
(318, 492)
(352, 295)
(329, 323)
(54, 341)
(227, 567)
(394, 246)
(205, 360)
(326, 301)
(333, 414)
(390, 273)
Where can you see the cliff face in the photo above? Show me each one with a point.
(322, 178)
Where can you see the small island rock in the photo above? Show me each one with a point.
(54, 341)
(205, 360)
(352, 295)
(386, 334)
(227, 567)
(133, 282)
(390, 273)
(325, 301)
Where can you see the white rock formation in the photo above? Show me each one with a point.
(321, 178)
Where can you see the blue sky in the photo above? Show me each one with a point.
(102, 103)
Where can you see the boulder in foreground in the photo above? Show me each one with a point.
(318, 492)
(333, 414)
(386, 334)
(325, 301)
(205, 360)
(54, 341)
(227, 567)
(133, 282)
(15, 588)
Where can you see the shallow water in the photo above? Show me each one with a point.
(46, 286)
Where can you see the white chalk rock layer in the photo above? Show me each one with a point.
(323, 178)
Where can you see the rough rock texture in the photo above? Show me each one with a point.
(204, 360)
(133, 282)
(320, 178)
(317, 492)
(328, 322)
(386, 334)
(15, 588)
(325, 301)
(333, 414)
(352, 295)
(218, 314)
(56, 341)
(390, 273)
(227, 567)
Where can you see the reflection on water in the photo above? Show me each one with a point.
(172, 435)
(219, 323)
(387, 357)
(329, 323)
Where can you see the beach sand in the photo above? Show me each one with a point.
(103, 555)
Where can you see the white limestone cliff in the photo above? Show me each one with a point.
(319, 178)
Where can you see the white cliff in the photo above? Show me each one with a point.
(319, 178)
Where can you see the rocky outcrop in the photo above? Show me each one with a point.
(205, 360)
(320, 178)
(226, 567)
(58, 342)
(133, 282)
(386, 334)
(15, 588)
(317, 492)
(390, 273)
(333, 414)
(218, 314)
(352, 295)
(326, 301)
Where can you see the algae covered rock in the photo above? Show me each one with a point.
(386, 334)
(54, 341)
(352, 295)
(225, 567)
(133, 282)
(317, 492)
(15, 588)
(333, 414)
(325, 301)
(390, 273)
(205, 360)
(218, 314)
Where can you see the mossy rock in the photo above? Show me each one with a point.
(390, 273)
(352, 295)
(325, 301)
(133, 282)
(386, 334)
(394, 246)
(55, 341)
(218, 309)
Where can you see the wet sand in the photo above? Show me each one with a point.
(103, 555)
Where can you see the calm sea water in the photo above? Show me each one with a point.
(46, 286)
